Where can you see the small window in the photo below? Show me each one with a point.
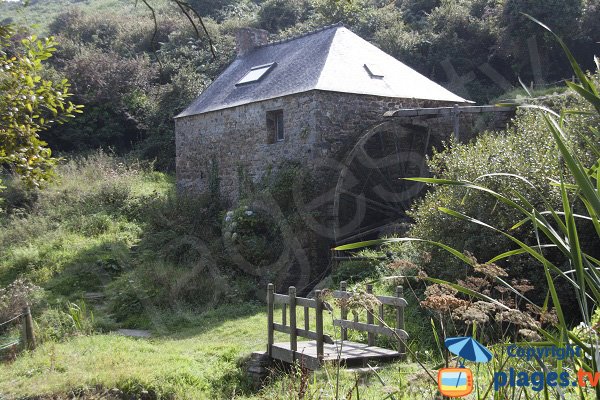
(374, 71)
(255, 74)
(275, 126)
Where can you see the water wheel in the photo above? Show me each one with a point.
(371, 196)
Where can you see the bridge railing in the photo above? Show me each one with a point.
(372, 327)
(291, 304)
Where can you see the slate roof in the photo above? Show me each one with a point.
(331, 59)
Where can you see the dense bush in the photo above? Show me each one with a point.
(526, 149)
(160, 73)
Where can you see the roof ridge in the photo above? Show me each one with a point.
(289, 39)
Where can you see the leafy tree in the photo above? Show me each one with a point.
(276, 15)
(29, 104)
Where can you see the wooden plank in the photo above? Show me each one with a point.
(270, 302)
(304, 302)
(441, 111)
(282, 354)
(300, 301)
(359, 326)
(370, 319)
(392, 301)
(284, 315)
(387, 300)
(344, 311)
(302, 333)
(352, 352)
(306, 319)
(281, 299)
(400, 321)
(319, 324)
(293, 330)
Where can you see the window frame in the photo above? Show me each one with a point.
(275, 126)
(267, 68)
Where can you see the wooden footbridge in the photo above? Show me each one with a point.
(322, 347)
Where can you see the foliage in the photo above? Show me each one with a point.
(165, 65)
(17, 295)
(559, 239)
(525, 149)
(30, 104)
(353, 271)
(276, 15)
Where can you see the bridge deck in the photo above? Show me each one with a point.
(352, 353)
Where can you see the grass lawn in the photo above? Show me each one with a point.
(203, 360)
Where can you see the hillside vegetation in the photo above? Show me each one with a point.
(477, 48)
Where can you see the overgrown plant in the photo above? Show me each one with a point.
(556, 230)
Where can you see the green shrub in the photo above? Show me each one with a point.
(276, 15)
(525, 149)
(355, 271)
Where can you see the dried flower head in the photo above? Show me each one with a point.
(469, 314)
(358, 302)
(530, 335)
(518, 318)
(474, 283)
(522, 285)
(491, 270)
(402, 266)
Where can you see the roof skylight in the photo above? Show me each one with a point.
(374, 71)
(256, 73)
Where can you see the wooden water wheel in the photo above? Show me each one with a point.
(371, 196)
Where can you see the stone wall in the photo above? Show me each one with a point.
(318, 126)
(237, 138)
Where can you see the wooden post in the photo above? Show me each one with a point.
(344, 310)
(306, 319)
(456, 120)
(370, 319)
(319, 324)
(400, 320)
(381, 315)
(284, 314)
(293, 333)
(28, 329)
(270, 304)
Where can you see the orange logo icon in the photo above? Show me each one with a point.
(455, 382)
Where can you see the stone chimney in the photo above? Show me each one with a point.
(247, 39)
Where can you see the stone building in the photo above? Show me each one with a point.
(309, 99)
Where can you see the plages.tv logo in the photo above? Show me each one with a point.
(458, 382)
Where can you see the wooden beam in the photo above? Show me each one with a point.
(319, 324)
(270, 304)
(441, 111)
(344, 310)
(400, 321)
(293, 330)
(387, 300)
(300, 301)
(370, 319)
(281, 299)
